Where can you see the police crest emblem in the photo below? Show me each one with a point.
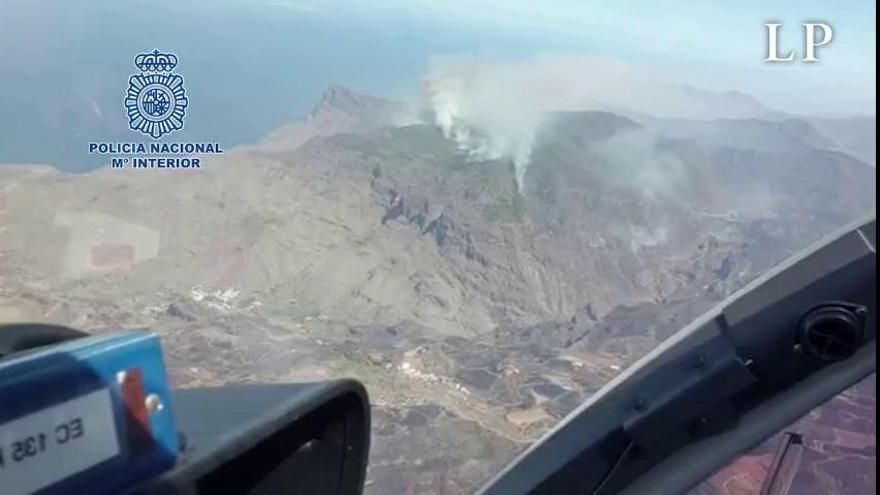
(156, 100)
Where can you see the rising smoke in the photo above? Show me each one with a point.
(494, 109)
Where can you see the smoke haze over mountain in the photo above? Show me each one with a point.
(495, 109)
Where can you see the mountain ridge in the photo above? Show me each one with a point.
(477, 313)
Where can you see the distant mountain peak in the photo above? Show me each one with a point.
(338, 98)
(340, 110)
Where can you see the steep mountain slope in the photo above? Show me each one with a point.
(477, 312)
(855, 135)
(340, 111)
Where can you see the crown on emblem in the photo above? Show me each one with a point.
(155, 61)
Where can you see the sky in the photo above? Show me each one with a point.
(253, 65)
(712, 43)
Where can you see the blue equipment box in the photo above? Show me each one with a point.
(91, 415)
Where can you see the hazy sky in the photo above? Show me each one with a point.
(252, 65)
(713, 43)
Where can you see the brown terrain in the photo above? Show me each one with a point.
(476, 312)
(839, 454)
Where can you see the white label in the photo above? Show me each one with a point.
(42, 448)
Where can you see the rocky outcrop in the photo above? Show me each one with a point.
(477, 312)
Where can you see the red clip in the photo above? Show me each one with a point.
(137, 418)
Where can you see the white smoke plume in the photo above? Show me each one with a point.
(494, 108)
